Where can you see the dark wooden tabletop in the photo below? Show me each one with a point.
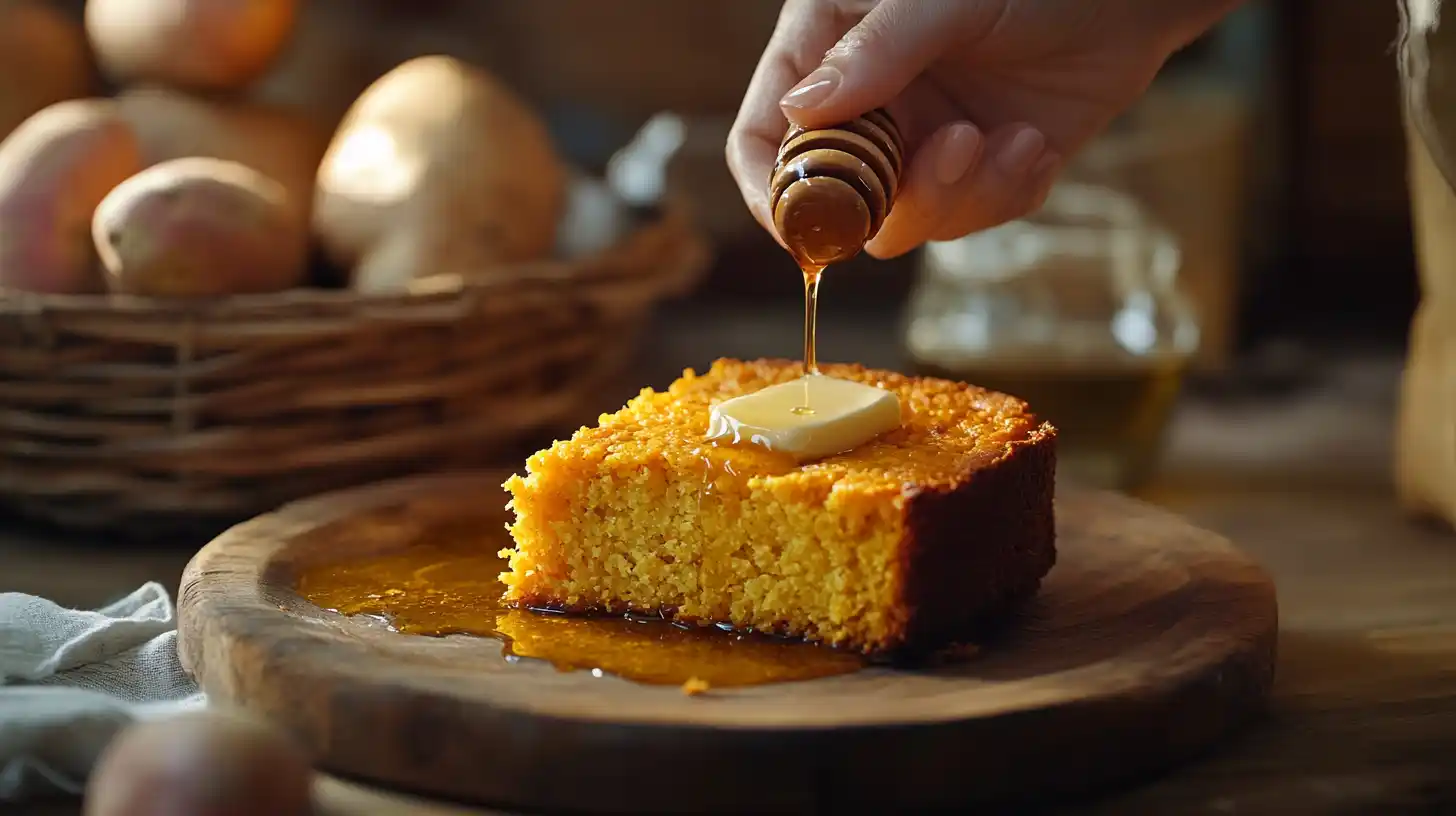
(1363, 716)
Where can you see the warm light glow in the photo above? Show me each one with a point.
(369, 166)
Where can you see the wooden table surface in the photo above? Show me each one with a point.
(1363, 717)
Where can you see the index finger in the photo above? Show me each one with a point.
(804, 32)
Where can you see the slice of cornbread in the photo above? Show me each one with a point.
(902, 545)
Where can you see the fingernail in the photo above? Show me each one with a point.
(814, 89)
(1022, 152)
(961, 148)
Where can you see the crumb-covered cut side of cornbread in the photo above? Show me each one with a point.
(641, 514)
(703, 544)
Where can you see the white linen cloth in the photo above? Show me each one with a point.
(70, 679)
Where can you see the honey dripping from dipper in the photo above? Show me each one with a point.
(830, 191)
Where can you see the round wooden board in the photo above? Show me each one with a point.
(1150, 641)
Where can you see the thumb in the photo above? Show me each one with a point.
(874, 62)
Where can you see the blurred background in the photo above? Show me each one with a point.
(1226, 276)
(1219, 306)
(1273, 148)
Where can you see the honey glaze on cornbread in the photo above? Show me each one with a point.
(450, 586)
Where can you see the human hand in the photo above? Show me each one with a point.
(991, 96)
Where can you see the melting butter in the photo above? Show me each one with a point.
(808, 418)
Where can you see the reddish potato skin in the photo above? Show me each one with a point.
(211, 45)
(44, 59)
(55, 169)
(197, 228)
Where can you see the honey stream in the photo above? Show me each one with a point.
(812, 273)
(449, 585)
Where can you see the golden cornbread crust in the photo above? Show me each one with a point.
(899, 547)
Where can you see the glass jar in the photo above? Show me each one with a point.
(1425, 447)
(1076, 310)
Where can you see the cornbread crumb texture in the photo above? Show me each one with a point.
(694, 686)
(641, 513)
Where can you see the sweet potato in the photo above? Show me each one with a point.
(192, 44)
(200, 228)
(54, 171)
(437, 168)
(44, 59)
(217, 762)
(282, 144)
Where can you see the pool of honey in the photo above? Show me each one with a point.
(449, 585)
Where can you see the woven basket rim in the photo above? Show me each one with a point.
(130, 411)
(433, 288)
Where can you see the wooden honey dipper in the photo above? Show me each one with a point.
(832, 187)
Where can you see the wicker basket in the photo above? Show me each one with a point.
(170, 417)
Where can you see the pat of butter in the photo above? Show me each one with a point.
(808, 418)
